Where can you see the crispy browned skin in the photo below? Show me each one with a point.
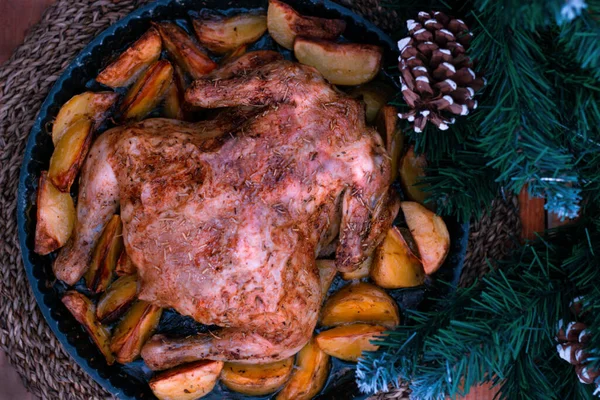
(223, 218)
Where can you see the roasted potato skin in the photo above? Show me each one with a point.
(104, 257)
(386, 123)
(309, 375)
(340, 63)
(117, 299)
(360, 302)
(361, 272)
(429, 232)
(55, 217)
(134, 329)
(375, 95)
(173, 105)
(395, 265)
(69, 154)
(412, 169)
(88, 105)
(84, 312)
(256, 379)
(285, 24)
(131, 63)
(347, 342)
(327, 272)
(148, 91)
(125, 265)
(184, 51)
(187, 382)
(222, 34)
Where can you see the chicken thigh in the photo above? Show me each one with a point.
(224, 218)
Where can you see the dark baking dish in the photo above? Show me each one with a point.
(130, 381)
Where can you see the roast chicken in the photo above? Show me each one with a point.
(224, 218)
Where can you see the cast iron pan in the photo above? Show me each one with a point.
(130, 381)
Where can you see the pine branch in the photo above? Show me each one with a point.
(582, 37)
(480, 333)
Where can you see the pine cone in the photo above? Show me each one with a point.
(571, 349)
(436, 74)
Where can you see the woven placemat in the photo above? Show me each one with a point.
(25, 79)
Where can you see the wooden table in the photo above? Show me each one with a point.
(16, 16)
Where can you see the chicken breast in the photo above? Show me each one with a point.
(224, 218)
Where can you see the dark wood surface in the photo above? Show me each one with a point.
(16, 16)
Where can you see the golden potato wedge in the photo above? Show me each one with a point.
(412, 169)
(309, 374)
(173, 106)
(187, 382)
(327, 271)
(55, 217)
(84, 312)
(340, 63)
(387, 126)
(148, 91)
(69, 154)
(104, 257)
(256, 379)
(221, 34)
(395, 266)
(285, 24)
(185, 51)
(117, 299)
(133, 61)
(134, 329)
(349, 341)
(235, 53)
(430, 233)
(124, 265)
(360, 302)
(375, 95)
(87, 105)
(360, 272)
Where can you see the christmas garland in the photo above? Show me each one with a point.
(537, 125)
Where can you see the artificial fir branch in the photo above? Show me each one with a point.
(501, 330)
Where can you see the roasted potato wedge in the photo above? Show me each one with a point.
(361, 302)
(55, 217)
(134, 329)
(430, 233)
(87, 105)
(360, 272)
(173, 106)
(222, 34)
(309, 375)
(327, 271)
(187, 382)
(375, 95)
(387, 126)
(84, 312)
(133, 61)
(349, 341)
(69, 154)
(117, 299)
(412, 169)
(104, 258)
(235, 53)
(256, 379)
(340, 63)
(148, 91)
(285, 24)
(185, 51)
(395, 265)
(125, 265)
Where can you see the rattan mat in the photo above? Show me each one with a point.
(25, 79)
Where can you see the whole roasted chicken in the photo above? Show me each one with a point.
(224, 218)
